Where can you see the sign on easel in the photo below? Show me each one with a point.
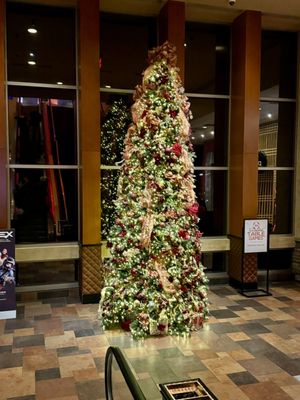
(255, 240)
(255, 235)
(7, 274)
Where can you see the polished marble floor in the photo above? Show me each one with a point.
(249, 349)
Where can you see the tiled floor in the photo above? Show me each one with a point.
(250, 349)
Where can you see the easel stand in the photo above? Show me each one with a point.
(255, 240)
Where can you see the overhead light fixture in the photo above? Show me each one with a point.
(31, 62)
(108, 86)
(212, 132)
(269, 115)
(184, 44)
(220, 48)
(31, 54)
(32, 29)
(204, 127)
(203, 136)
(59, 83)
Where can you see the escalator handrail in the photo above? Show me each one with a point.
(131, 382)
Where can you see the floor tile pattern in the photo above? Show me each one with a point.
(250, 349)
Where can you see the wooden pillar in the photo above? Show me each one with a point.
(244, 132)
(4, 192)
(89, 129)
(171, 24)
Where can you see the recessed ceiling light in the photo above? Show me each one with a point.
(108, 86)
(203, 136)
(31, 62)
(32, 29)
(184, 44)
(31, 54)
(204, 127)
(269, 115)
(212, 132)
(59, 83)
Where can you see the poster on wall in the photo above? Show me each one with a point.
(7, 274)
(255, 235)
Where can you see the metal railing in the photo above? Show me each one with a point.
(131, 382)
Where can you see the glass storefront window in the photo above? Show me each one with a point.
(42, 131)
(207, 58)
(47, 56)
(122, 62)
(44, 204)
(209, 131)
(214, 262)
(211, 189)
(279, 50)
(276, 134)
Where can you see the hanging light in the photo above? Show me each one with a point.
(32, 29)
(31, 62)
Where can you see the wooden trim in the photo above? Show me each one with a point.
(171, 24)
(4, 193)
(89, 119)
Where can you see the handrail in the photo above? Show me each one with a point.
(130, 380)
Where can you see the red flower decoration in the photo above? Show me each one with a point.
(173, 113)
(122, 234)
(175, 250)
(161, 327)
(177, 149)
(184, 234)
(142, 132)
(126, 325)
(198, 258)
(193, 210)
(199, 234)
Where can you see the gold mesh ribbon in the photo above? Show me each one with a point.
(163, 276)
(147, 229)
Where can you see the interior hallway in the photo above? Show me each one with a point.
(250, 349)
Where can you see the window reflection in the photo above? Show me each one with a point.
(44, 205)
(211, 190)
(276, 134)
(53, 42)
(207, 55)
(42, 131)
(210, 131)
(122, 62)
(279, 50)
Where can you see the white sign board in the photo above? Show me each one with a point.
(255, 235)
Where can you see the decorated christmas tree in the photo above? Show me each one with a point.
(113, 132)
(155, 283)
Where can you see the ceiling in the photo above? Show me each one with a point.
(276, 14)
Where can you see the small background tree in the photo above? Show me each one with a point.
(113, 132)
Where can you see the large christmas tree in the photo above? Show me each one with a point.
(156, 284)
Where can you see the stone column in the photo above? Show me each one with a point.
(244, 132)
(91, 274)
(171, 22)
